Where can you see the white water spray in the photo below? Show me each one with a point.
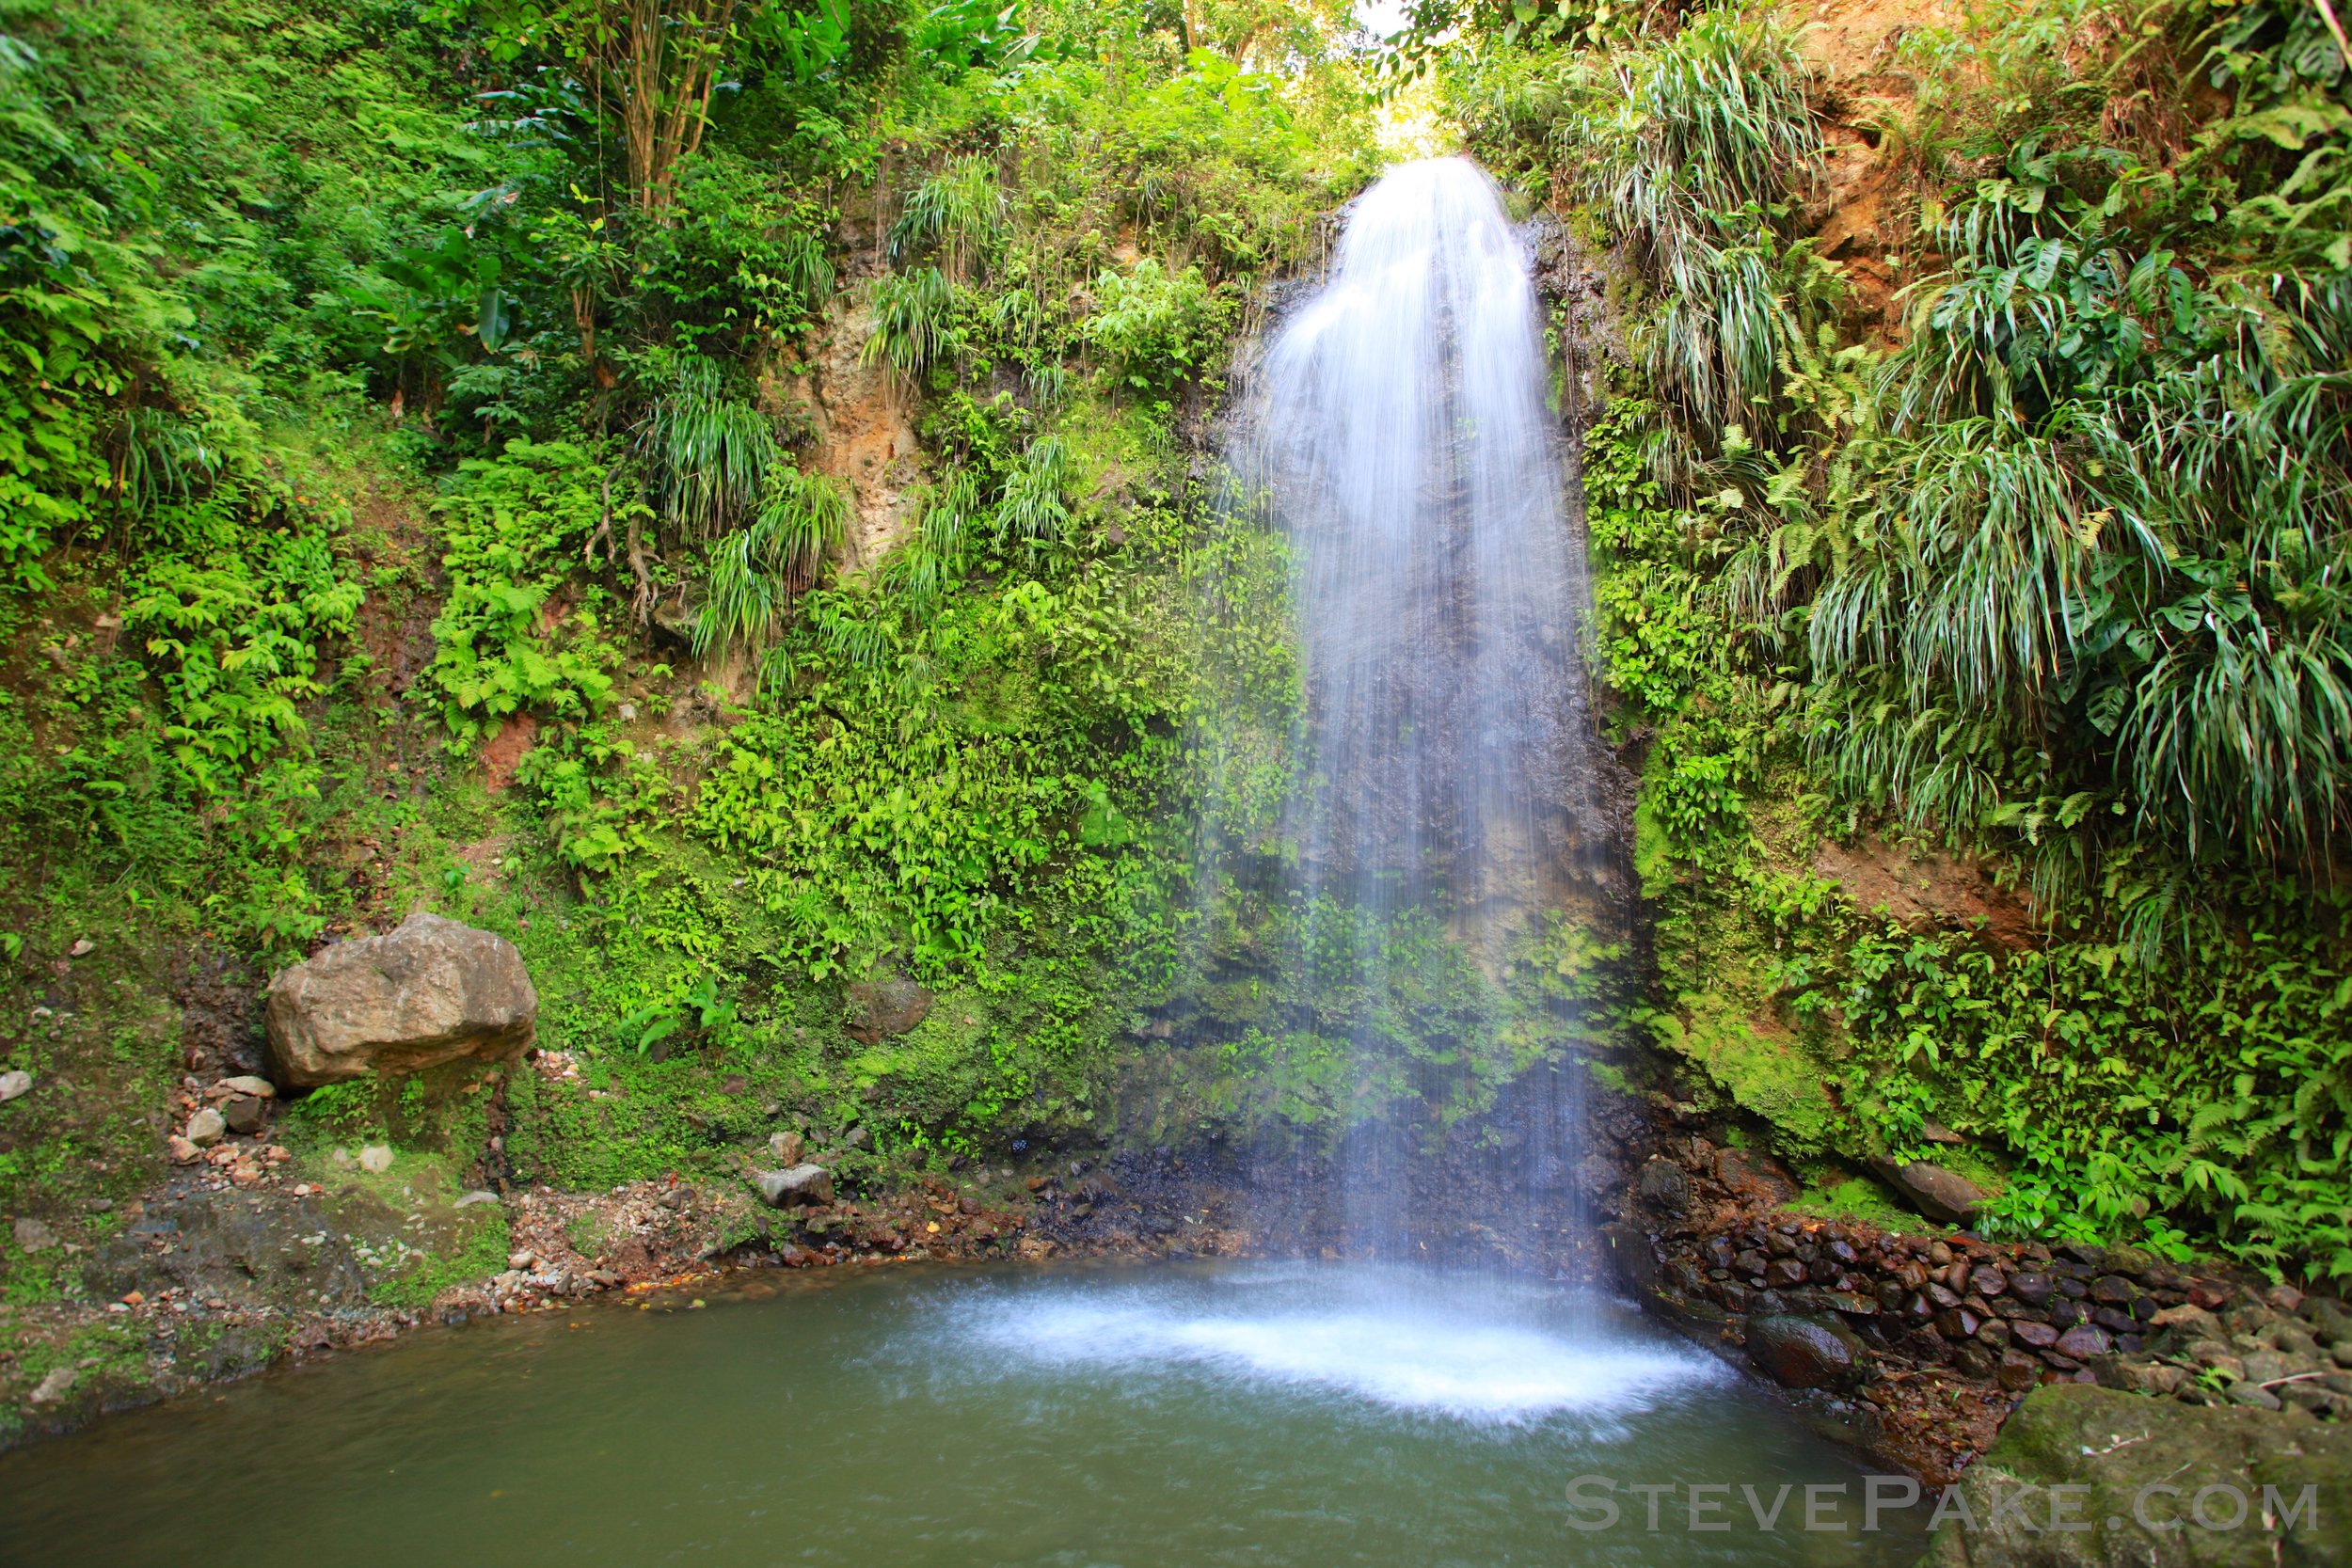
(1403, 436)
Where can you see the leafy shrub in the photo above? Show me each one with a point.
(511, 529)
(1157, 328)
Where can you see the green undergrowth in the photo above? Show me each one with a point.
(2047, 582)
(413, 498)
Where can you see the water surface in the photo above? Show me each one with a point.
(1145, 1416)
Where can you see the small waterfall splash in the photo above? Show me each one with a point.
(1402, 437)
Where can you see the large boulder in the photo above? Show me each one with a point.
(808, 1185)
(432, 991)
(2083, 1476)
(1806, 1352)
(1939, 1193)
(879, 1008)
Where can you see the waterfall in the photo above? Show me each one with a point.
(1401, 433)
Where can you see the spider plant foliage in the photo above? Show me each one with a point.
(914, 322)
(708, 452)
(1033, 515)
(1693, 148)
(949, 230)
(758, 573)
(2097, 551)
(956, 216)
(936, 558)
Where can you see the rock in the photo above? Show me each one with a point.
(1597, 1176)
(787, 1147)
(260, 1088)
(2253, 1395)
(375, 1159)
(55, 1387)
(15, 1085)
(479, 1194)
(184, 1152)
(2039, 1335)
(243, 1113)
(207, 1128)
(858, 1138)
(1636, 1260)
(1976, 1359)
(227, 1247)
(2082, 1341)
(802, 1183)
(431, 991)
(2118, 1455)
(34, 1236)
(83, 947)
(2191, 1318)
(1753, 1178)
(1662, 1187)
(2031, 1286)
(1806, 1353)
(2113, 1289)
(2211, 1294)
(879, 1008)
(1937, 1192)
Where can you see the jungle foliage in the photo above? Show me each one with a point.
(2051, 572)
(403, 396)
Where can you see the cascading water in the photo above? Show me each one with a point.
(1295, 1413)
(1402, 434)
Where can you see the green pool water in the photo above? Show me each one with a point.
(1148, 1416)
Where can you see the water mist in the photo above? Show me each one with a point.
(1402, 433)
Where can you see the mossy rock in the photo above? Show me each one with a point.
(2098, 1456)
(1767, 1070)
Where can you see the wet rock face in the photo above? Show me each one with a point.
(1663, 1188)
(432, 991)
(234, 1248)
(1806, 1352)
(2085, 1475)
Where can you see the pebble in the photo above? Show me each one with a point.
(83, 947)
(15, 1085)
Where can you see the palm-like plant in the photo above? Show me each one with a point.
(709, 454)
(758, 572)
(914, 321)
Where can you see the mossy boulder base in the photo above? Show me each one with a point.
(434, 991)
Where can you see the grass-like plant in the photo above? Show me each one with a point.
(709, 454)
(957, 216)
(914, 321)
(758, 572)
(1035, 512)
